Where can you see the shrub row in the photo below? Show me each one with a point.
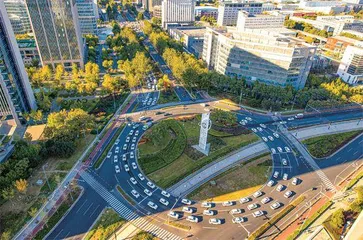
(310, 220)
(354, 180)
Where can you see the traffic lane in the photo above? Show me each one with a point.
(81, 217)
(182, 94)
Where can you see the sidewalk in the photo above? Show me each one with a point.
(198, 178)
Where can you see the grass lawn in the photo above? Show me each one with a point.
(167, 97)
(107, 224)
(324, 146)
(239, 181)
(144, 236)
(190, 160)
(14, 214)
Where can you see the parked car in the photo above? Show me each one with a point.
(192, 219)
(238, 220)
(186, 201)
(164, 202)
(215, 221)
(257, 214)
(152, 205)
(174, 215)
(245, 200)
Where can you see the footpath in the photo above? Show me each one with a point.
(198, 178)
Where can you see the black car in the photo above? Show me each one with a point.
(159, 113)
(167, 114)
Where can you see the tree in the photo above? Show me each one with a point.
(32, 211)
(21, 185)
(337, 218)
(164, 82)
(8, 193)
(59, 72)
(140, 16)
(224, 118)
(28, 137)
(43, 100)
(111, 84)
(116, 29)
(359, 191)
(107, 64)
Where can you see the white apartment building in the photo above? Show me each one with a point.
(87, 16)
(177, 12)
(322, 6)
(258, 55)
(249, 21)
(351, 66)
(228, 11)
(334, 24)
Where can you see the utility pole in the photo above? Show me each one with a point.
(46, 177)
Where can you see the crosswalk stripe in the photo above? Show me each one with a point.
(125, 212)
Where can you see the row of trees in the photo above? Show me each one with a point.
(63, 130)
(306, 27)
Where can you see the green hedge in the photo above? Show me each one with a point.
(175, 148)
(354, 180)
(310, 220)
(276, 218)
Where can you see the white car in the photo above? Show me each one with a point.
(245, 200)
(259, 129)
(124, 158)
(243, 123)
(151, 185)
(266, 200)
(270, 183)
(115, 159)
(287, 149)
(188, 209)
(131, 132)
(288, 194)
(137, 133)
(164, 202)
(117, 169)
(117, 150)
(124, 147)
(275, 205)
(136, 194)
(264, 139)
(280, 187)
(192, 219)
(263, 125)
(257, 194)
(279, 149)
(165, 194)
(117, 141)
(276, 174)
(127, 168)
(291, 119)
(248, 118)
(133, 146)
(276, 135)
(295, 181)
(208, 212)
(285, 176)
(109, 154)
(257, 214)
(152, 205)
(271, 138)
(135, 126)
(140, 176)
(227, 203)
(273, 150)
(133, 181)
(283, 122)
(132, 155)
(284, 162)
(147, 192)
(252, 206)
(128, 139)
(215, 221)
(174, 215)
(186, 201)
(134, 139)
(236, 211)
(206, 204)
(238, 220)
(133, 164)
(254, 130)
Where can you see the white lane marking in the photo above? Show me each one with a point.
(88, 209)
(81, 206)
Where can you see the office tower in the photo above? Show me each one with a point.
(351, 66)
(262, 55)
(177, 12)
(87, 15)
(18, 16)
(57, 33)
(16, 95)
(228, 11)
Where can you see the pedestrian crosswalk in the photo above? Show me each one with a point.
(125, 212)
(308, 159)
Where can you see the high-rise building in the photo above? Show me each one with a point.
(18, 16)
(228, 11)
(351, 66)
(177, 12)
(57, 33)
(250, 21)
(87, 16)
(150, 4)
(16, 95)
(264, 55)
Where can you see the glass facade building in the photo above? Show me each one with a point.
(18, 16)
(16, 95)
(57, 33)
